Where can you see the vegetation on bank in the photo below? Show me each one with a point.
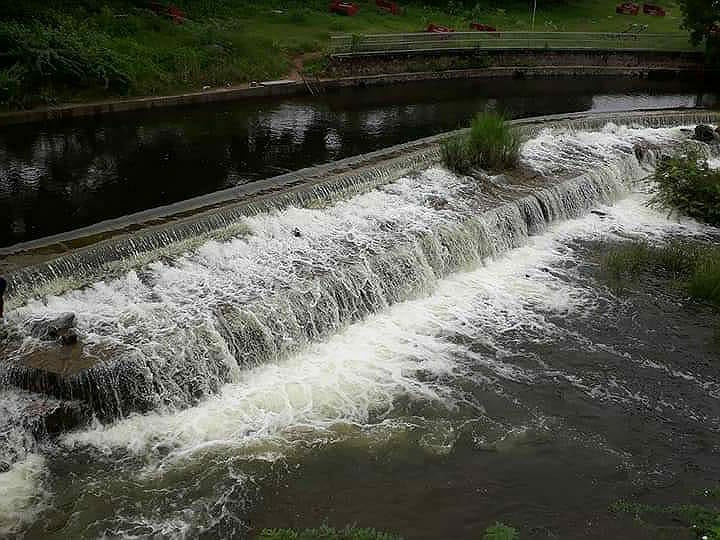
(693, 267)
(86, 49)
(490, 144)
(686, 184)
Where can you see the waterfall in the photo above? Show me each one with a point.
(174, 313)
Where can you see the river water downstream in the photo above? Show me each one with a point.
(62, 176)
(425, 358)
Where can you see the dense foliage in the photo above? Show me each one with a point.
(490, 144)
(702, 19)
(687, 184)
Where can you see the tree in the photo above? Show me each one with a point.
(702, 19)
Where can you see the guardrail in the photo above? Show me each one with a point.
(354, 44)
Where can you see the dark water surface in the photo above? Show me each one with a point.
(61, 176)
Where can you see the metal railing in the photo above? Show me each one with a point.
(354, 44)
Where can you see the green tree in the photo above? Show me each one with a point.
(702, 19)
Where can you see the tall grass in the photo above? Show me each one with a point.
(686, 184)
(695, 267)
(490, 144)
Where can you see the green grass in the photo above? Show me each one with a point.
(693, 267)
(490, 144)
(75, 50)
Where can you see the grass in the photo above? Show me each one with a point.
(693, 267)
(75, 50)
(490, 144)
(687, 185)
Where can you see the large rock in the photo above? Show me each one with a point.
(705, 133)
(53, 329)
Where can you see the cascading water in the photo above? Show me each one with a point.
(269, 306)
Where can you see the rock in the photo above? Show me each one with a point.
(52, 329)
(297, 233)
(598, 213)
(438, 203)
(705, 133)
(70, 337)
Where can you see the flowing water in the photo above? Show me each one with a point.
(426, 358)
(60, 176)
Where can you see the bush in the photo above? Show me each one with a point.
(490, 144)
(686, 184)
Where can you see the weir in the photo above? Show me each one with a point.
(178, 309)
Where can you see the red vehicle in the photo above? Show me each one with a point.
(388, 6)
(652, 9)
(173, 13)
(344, 8)
(627, 8)
(438, 29)
(482, 27)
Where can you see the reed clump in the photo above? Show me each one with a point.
(695, 267)
(490, 144)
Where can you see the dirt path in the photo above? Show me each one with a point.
(298, 63)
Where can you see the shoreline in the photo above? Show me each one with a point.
(313, 87)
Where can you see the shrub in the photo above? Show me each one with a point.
(686, 184)
(490, 144)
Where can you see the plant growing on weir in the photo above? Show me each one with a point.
(489, 144)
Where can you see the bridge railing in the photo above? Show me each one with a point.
(370, 44)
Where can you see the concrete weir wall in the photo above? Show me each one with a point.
(112, 386)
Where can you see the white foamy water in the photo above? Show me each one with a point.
(22, 495)
(714, 163)
(353, 379)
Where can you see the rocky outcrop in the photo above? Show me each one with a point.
(705, 133)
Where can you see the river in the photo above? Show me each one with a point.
(425, 358)
(57, 177)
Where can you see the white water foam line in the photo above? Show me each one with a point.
(350, 382)
(22, 494)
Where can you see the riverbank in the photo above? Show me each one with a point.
(82, 54)
(364, 72)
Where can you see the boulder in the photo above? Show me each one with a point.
(52, 329)
(705, 133)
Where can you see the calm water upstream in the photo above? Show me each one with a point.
(58, 177)
(420, 367)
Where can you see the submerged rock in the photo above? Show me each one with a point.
(52, 329)
(705, 133)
